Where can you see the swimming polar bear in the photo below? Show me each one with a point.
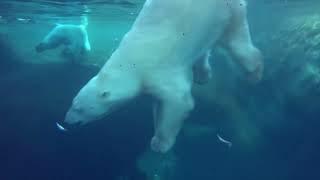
(167, 42)
(73, 37)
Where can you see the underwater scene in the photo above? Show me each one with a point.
(159, 89)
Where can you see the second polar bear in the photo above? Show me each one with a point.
(74, 38)
(168, 41)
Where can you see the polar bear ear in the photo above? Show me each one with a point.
(105, 94)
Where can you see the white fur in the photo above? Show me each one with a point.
(157, 57)
(73, 37)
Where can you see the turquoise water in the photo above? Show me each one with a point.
(272, 125)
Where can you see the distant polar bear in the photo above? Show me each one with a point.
(73, 37)
(168, 41)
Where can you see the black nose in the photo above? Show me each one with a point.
(67, 127)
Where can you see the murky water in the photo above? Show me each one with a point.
(237, 130)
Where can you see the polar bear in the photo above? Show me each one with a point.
(167, 42)
(73, 37)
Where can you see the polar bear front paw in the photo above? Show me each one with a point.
(161, 145)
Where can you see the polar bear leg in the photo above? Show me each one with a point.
(174, 106)
(237, 41)
(86, 42)
(202, 71)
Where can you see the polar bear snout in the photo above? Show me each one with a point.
(72, 121)
(73, 118)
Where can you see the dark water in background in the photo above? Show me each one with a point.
(32, 147)
(34, 96)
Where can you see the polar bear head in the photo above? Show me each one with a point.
(98, 98)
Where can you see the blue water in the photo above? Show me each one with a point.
(274, 135)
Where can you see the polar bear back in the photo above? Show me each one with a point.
(162, 35)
